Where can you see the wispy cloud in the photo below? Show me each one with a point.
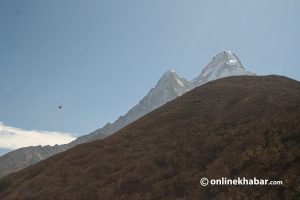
(13, 138)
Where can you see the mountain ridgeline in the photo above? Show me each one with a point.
(242, 126)
(169, 86)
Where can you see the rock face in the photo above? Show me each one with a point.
(24, 157)
(222, 65)
(243, 126)
(169, 86)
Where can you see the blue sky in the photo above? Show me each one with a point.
(99, 58)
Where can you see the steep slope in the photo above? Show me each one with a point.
(232, 127)
(169, 86)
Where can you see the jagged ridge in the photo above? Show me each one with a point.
(169, 86)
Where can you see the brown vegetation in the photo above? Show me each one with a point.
(237, 126)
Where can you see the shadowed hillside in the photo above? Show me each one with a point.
(238, 126)
(169, 87)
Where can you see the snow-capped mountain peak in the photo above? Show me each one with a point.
(226, 57)
(169, 86)
(171, 81)
(222, 65)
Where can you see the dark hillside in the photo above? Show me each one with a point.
(238, 126)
